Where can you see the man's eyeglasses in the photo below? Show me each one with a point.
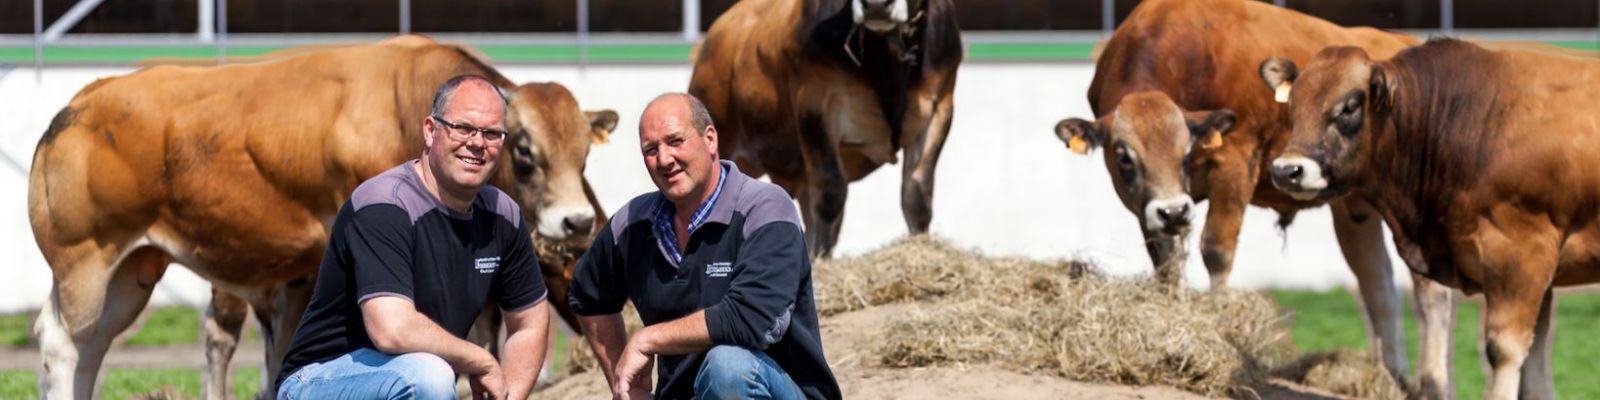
(464, 132)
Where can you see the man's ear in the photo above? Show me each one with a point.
(1080, 135)
(1380, 90)
(1207, 128)
(1279, 74)
(601, 123)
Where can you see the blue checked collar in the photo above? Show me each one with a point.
(666, 237)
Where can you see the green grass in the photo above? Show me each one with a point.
(164, 326)
(126, 383)
(15, 328)
(1326, 321)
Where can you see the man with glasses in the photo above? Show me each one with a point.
(415, 254)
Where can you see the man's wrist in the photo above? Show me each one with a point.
(644, 341)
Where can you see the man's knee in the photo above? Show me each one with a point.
(727, 370)
(429, 376)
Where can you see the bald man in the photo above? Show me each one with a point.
(715, 262)
(415, 254)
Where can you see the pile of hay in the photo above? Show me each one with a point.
(1347, 372)
(1057, 318)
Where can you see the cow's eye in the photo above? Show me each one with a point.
(1125, 158)
(1347, 114)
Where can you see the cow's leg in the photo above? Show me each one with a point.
(91, 303)
(826, 188)
(1231, 188)
(1517, 256)
(278, 311)
(1360, 235)
(928, 119)
(1436, 315)
(1538, 379)
(224, 320)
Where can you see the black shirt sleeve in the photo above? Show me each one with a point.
(597, 287)
(379, 240)
(766, 280)
(518, 284)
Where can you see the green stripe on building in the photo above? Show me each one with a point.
(610, 53)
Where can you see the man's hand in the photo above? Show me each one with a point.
(633, 372)
(488, 386)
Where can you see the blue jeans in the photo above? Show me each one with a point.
(732, 372)
(371, 374)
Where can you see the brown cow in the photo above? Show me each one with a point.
(1483, 163)
(818, 93)
(1204, 55)
(236, 173)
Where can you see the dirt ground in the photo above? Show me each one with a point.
(844, 340)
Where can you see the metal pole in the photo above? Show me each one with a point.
(70, 19)
(583, 33)
(1447, 17)
(208, 21)
(222, 32)
(691, 20)
(38, 43)
(405, 17)
(1108, 17)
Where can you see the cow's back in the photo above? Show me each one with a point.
(232, 165)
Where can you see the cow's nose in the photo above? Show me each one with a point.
(872, 6)
(1174, 216)
(1287, 174)
(578, 225)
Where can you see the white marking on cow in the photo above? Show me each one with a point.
(1311, 180)
(899, 14)
(59, 352)
(1152, 217)
(552, 221)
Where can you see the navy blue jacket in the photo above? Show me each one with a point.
(746, 266)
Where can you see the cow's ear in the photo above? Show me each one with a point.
(1279, 73)
(1080, 135)
(1206, 128)
(1380, 90)
(601, 123)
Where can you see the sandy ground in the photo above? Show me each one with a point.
(845, 339)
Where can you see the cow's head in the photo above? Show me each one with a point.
(883, 16)
(548, 149)
(1150, 140)
(1331, 108)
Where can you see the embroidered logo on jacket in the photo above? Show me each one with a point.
(719, 269)
(486, 265)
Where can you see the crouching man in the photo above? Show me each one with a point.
(415, 254)
(715, 262)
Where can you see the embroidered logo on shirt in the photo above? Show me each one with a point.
(719, 269)
(486, 265)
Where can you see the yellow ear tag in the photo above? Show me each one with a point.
(1213, 140)
(1078, 145)
(1282, 95)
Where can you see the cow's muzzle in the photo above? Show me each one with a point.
(1299, 176)
(1169, 215)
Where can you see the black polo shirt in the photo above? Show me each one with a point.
(394, 238)
(746, 266)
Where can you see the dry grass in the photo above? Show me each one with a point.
(1056, 318)
(1347, 372)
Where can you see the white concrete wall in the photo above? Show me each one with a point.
(1005, 185)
